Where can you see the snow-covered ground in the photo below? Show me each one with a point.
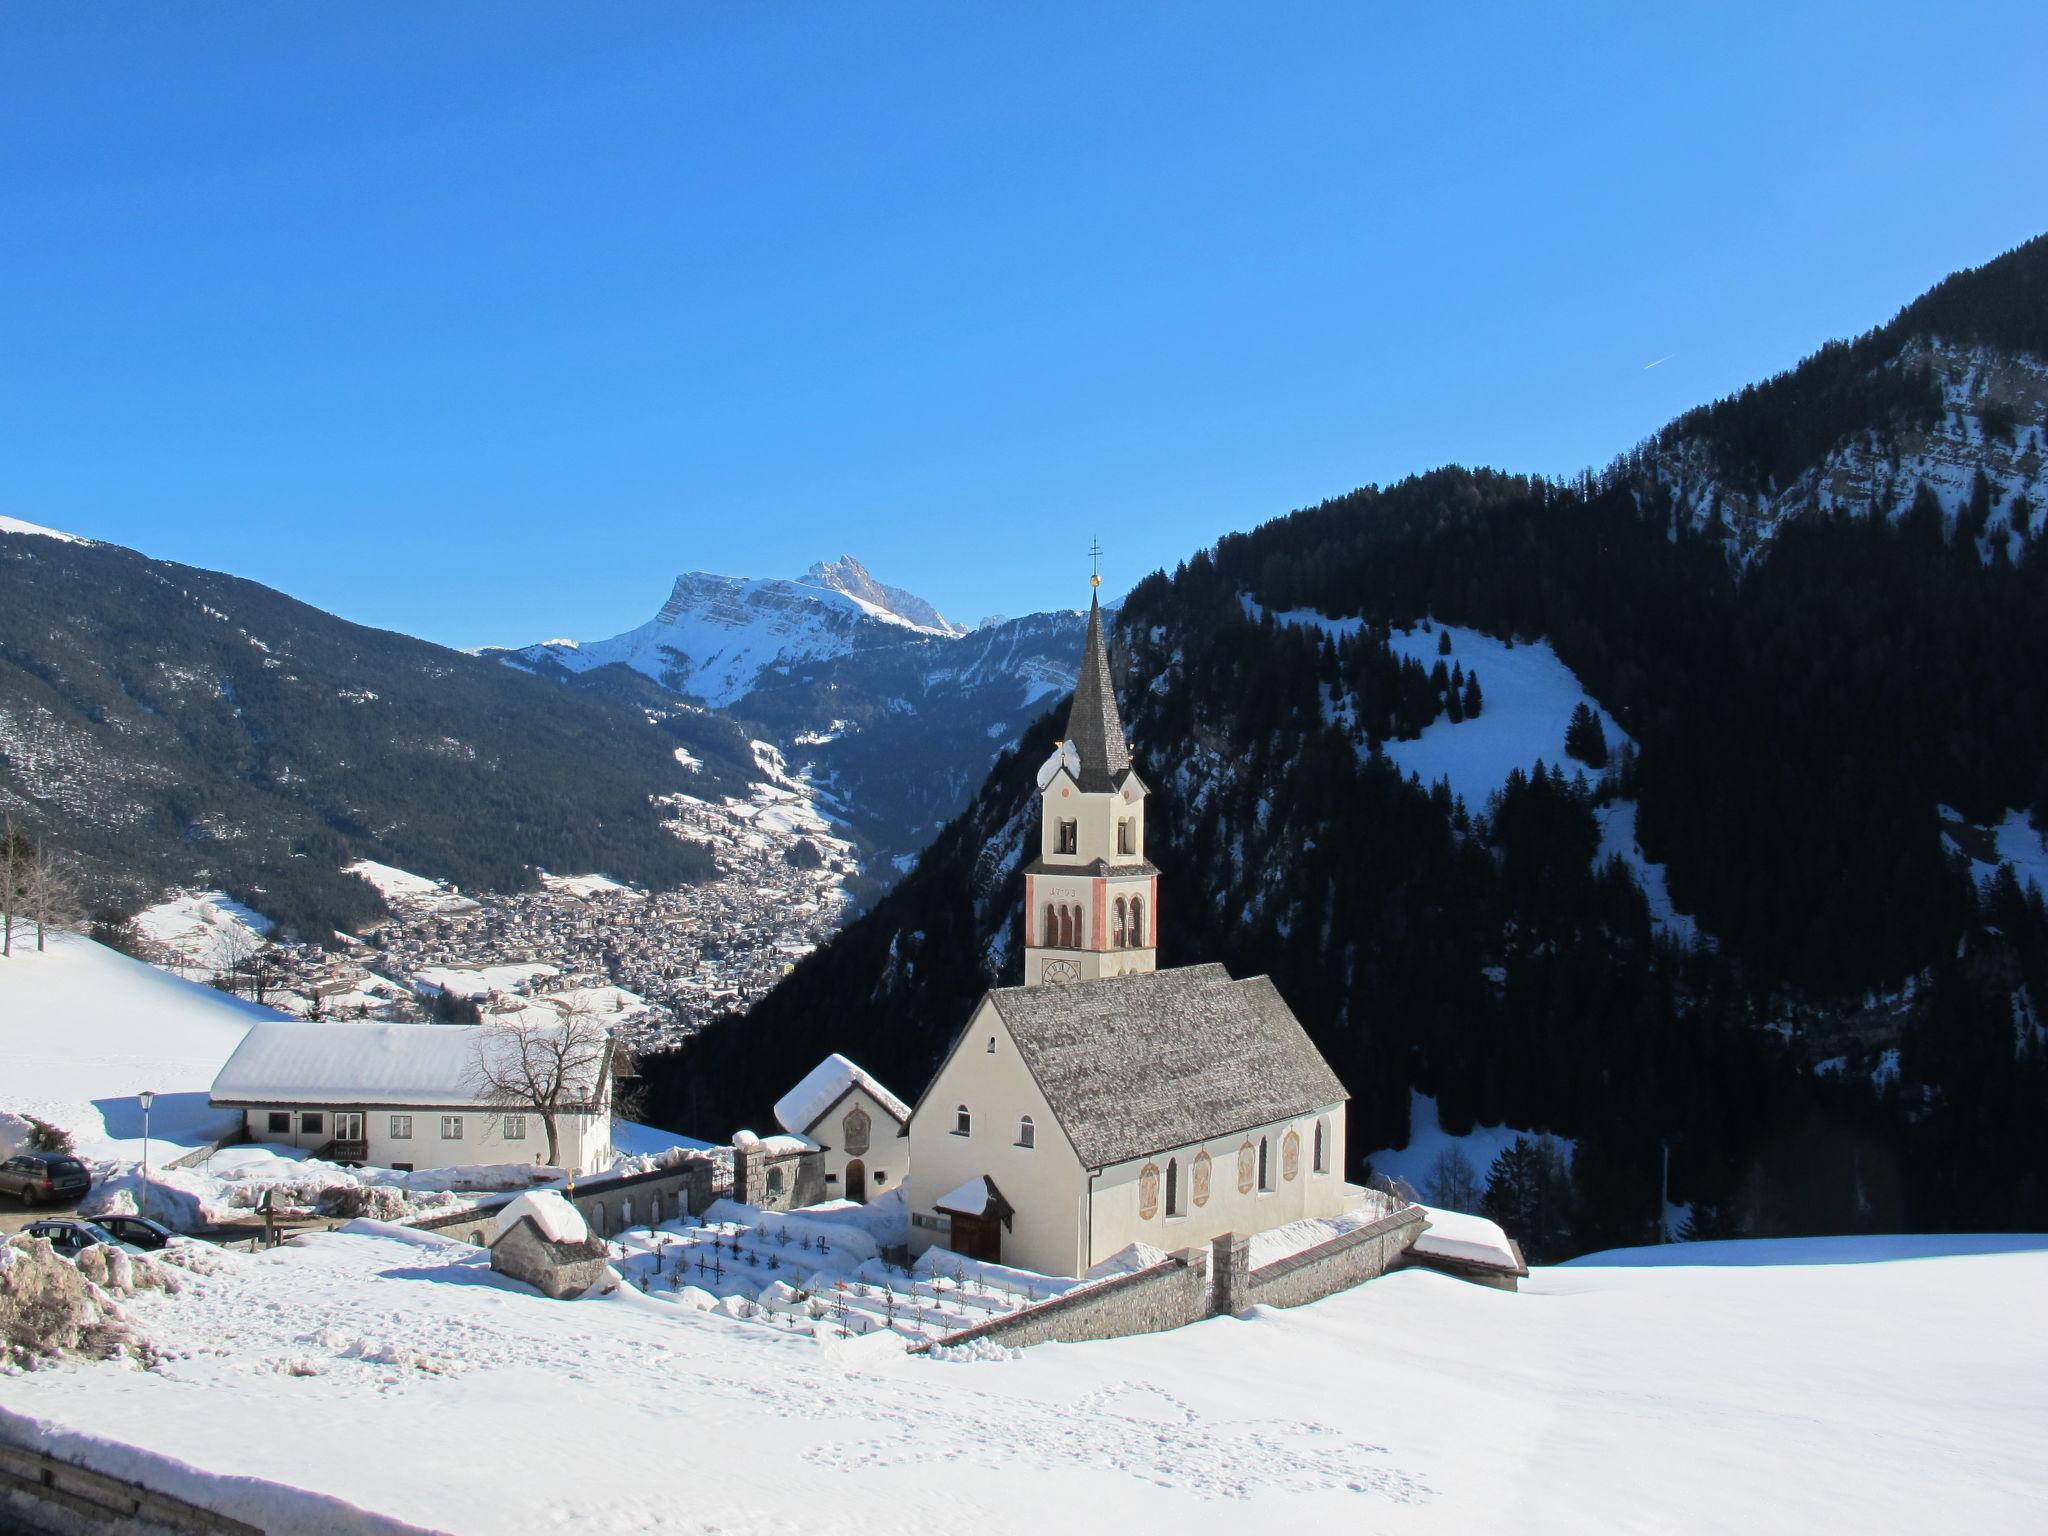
(204, 932)
(1903, 1390)
(1618, 840)
(1427, 1141)
(1527, 698)
(83, 1029)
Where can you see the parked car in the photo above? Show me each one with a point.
(136, 1231)
(72, 1237)
(33, 1177)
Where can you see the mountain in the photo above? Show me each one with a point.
(893, 711)
(1764, 921)
(178, 726)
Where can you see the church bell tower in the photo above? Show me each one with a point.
(1091, 906)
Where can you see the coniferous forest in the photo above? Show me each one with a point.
(1855, 1048)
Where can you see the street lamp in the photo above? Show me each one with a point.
(148, 1097)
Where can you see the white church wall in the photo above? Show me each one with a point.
(1095, 817)
(1121, 1204)
(1043, 1182)
(886, 1158)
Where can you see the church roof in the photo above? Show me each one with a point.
(1094, 729)
(1132, 1065)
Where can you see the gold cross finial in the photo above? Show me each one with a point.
(1095, 562)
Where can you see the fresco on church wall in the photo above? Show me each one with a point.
(1290, 1155)
(1148, 1192)
(1201, 1190)
(1247, 1168)
(855, 1129)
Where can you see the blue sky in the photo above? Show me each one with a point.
(480, 322)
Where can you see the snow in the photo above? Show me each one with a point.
(799, 1109)
(204, 930)
(2020, 846)
(482, 980)
(1065, 757)
(1427, 1141)
(84, 1028)
(1899, 1386)
(17, 525)
(331, 1063)
(1528, 696)
(970, 1199)
(587, 885)
(1618, 840)
(1458, 1235)
(391, 883)
(1283, 1242)
(558, 1220)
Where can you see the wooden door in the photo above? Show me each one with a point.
(978, 1237)
(856, 1180)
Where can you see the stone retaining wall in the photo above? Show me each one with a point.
(1349, 1259)
(1169, 1294)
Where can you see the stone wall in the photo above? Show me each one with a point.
(609, 1205)
(777, 1181)
(1169, 1294)
(559, 1270)
(1344, 1261)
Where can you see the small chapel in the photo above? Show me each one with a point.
(1106, 1102)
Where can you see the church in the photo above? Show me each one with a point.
(1106, 1102)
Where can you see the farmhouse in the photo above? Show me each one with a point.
(860, 1128)
(1106, 1102)
(407, 1096)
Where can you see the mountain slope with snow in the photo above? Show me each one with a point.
(1886, 1385)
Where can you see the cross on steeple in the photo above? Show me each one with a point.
(1094, 562)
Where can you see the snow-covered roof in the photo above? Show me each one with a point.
(970, 1199)
(419, 1064)
(558, 1220)
(798, 1110)
(1468, 1239)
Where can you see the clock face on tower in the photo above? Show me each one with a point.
(1060, 970)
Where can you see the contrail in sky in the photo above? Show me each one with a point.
(1664, 359)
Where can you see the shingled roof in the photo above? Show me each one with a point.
(1137, 1064)
(1094, 728)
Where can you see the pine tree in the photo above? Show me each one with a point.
(1584, 739)
(1472, 699)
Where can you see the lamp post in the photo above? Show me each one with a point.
(148, 1097)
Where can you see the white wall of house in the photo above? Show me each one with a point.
(433, 1136)
(886, 1161)
(1044, 1182)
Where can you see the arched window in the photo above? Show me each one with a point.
(961, 1121)
(1066, 927)
(1173, 1186)
(626, 1213)
(1138, 922)
(1117, 928)
(1052, 926)
(1265, 1165)
(775, 1181)
(991, 1045)
(1322, 1147)
(1027, 1133)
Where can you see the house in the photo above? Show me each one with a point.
(1106, 1102)
(860, 1128)
(405, 1096)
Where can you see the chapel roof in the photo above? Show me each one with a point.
(1136, 1064)
(1094, 728)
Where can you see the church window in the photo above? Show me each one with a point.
(1322, 1147)
(1126, 835)
(1137, 928)
(1173, 1206)
(1027, 1133)
(1052, 926)
(1067, 926)
(991, 1045)
(1265, 1165)
(961, 1122)
(774, 1183)
(1069, 837)
(1117, 928)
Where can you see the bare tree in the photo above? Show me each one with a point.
(51, 894)
(14, 856)
(1452, 1183)
(548, 1070)
(235, 952)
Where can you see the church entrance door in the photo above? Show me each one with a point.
(978, 1237)
(856, 1180)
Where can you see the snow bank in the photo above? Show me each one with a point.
(557, 1219)
(1457, 1235)
(841, 1228)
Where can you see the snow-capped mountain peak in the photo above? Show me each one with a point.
(848, 577)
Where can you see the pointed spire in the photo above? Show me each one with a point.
(1094, 728)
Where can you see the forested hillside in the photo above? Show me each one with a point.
(1857, 1046)
(169, 725)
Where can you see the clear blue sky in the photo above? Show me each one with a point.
(482, 321)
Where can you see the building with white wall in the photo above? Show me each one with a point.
(1106, 1102)
(860, 1129)
(405, 1096)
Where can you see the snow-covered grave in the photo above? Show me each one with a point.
(1874, 1385)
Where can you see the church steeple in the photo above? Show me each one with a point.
(1090, 897)
(1094, 727)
